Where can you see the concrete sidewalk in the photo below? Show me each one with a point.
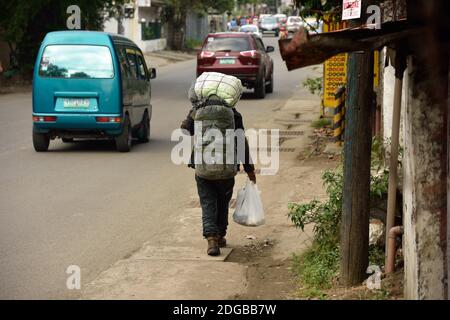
(158, 59)
(251, 266)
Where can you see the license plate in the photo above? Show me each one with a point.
(76, 103)
(227, 61)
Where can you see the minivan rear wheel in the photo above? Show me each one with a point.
(41, 141)
(144, 130)
(123, 141)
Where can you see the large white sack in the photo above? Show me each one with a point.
(226, 87)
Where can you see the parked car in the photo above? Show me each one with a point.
(251, 28)
(270, 25)
(242, 55)
(90, 85)
(282, 19)
(264, 15)
(293, 24)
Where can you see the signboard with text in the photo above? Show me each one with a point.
(334, 69)
(351, 9)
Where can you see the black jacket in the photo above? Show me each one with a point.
(188, 124)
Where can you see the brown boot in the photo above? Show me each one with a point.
(222, 242)
(213, 246)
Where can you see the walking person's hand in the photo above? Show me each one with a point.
(252, 176)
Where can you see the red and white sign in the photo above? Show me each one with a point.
(351, 9)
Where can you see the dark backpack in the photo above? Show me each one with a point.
(214, 154)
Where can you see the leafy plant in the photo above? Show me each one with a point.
(193, 43)
(321, 123)
(314, 85)
(324, 215)
(319, 264)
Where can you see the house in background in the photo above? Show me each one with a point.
(141, 22)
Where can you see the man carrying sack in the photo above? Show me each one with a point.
(212, 120)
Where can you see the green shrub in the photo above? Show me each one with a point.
(193, 43)
(321, 123)
(314, 85)
(319, 264)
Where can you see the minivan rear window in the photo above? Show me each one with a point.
(227, 44)
(76, 61)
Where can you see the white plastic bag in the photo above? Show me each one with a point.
(249, 208)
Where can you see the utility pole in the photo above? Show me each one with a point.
(354, 244)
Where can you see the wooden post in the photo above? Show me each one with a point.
(357, 151)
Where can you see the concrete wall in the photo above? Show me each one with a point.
(133, 28)
(197, 27)
(425, 186)
(448, 188)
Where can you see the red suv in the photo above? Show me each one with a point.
(242, 55)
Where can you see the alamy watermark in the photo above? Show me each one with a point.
(373, 282)
(73, 282)
(374, 20)
(214, 146)
(74, 20)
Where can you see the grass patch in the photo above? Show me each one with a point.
(321, 123)
(317, 267)
(192, 44)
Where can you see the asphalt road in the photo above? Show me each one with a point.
(86, 204)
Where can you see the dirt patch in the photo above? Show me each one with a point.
(391, 289)
(266, 278)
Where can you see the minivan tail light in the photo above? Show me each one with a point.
(206, 54)
(44, 119)
(108, 119)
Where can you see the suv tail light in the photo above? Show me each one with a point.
(206, 54)
(249, 57)
(250, 53)
(206, 58)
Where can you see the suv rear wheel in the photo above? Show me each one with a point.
(269, 87)
(260, 87)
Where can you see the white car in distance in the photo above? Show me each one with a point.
(251, 28)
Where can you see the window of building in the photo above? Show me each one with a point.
(151, 30)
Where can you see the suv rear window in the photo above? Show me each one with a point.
(227, 44)
(76, 61)
(269, 20)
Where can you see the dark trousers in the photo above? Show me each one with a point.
(215, 196)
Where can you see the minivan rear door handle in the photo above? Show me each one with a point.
(68, 94)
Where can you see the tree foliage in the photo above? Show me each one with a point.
(175, 14)
(24, 23)
(317, 8)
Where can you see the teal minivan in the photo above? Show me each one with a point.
(90, 85)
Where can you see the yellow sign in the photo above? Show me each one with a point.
(334, 76)
(376, 68)
(334, 69)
